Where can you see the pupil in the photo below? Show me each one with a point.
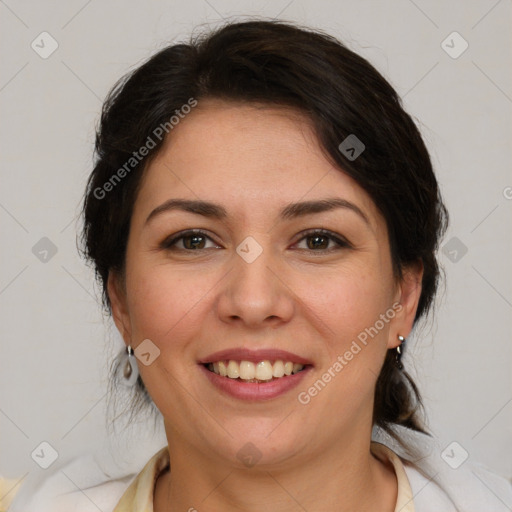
(194, 239)
(315, 240)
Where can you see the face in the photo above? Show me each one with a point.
(289, 254)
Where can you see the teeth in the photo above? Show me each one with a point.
(223, 370)
(264, 371)
(278, 369)
(296, 367)
(233, 370)
(248, 371)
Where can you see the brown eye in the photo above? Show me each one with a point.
(319, 240)
(194, 241)
(187, 241)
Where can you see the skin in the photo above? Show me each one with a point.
(253, 160)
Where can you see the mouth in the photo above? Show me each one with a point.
(255, 375)
(255, 372)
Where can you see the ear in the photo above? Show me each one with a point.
(120, 313)
(408, 296)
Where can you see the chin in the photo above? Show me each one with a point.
(255, 445)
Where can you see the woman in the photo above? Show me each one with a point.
(263, 218)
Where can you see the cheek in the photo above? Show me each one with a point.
(348, 301)
(168, 307)
(357, 341)
(166, 302)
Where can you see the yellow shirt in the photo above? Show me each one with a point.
(8, 489)
(139, 495)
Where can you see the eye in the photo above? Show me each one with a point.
(318, 240)
(191, 240)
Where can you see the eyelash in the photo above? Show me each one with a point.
(169, 243)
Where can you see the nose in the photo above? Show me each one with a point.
(255, 294)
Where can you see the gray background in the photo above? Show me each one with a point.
(55, 345)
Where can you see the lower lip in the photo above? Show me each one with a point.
(254, 390)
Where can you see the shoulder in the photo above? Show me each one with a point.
(472, 488)
(80, 485)
(436, 485)
(8, 489)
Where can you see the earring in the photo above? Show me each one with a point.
(399, 352)
(127, 369)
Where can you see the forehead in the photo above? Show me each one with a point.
(238, 138)
(250, 157)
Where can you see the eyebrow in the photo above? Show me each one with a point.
(291, 211)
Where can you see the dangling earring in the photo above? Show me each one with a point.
(399, 352)
(127, 369)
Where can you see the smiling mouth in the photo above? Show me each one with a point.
(247, 371)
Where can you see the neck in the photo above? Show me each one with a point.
(344, 477)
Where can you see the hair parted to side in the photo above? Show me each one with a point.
(278, 64)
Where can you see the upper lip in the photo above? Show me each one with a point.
(255, 356)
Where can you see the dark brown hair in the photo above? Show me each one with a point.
(278, 64)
